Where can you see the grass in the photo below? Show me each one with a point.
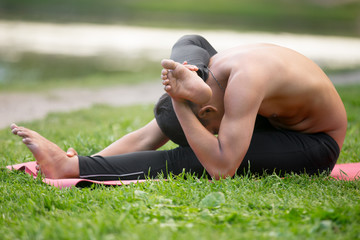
(240, 208)
(40, 72)
(296, 207)
(33, 72)
(259, 15)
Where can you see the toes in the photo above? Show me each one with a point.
(164, 72)
(14, 131)
(26, 140)
(167, 88)
(166, 82)
(21, 131)
(18, 131)
(169, 64)
(21, 134)
(14, 128)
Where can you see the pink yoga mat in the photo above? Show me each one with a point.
(29, 168)
(345, 171)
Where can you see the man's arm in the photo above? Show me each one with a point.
(148, 137)
(222, 155)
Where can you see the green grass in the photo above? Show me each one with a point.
(296, 207)
(40, 72)
(240, 208)
(274, 15)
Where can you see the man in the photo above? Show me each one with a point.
(262, 108)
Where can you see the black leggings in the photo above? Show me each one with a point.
(196, 50)
(271, 150)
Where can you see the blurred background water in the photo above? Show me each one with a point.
(47, 44)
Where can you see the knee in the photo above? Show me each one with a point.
(191, 39)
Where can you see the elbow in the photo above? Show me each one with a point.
(222, 173)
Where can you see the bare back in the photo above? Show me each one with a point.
(295, 93)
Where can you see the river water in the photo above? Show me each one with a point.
(137, 42)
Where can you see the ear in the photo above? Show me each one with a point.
(207, 111)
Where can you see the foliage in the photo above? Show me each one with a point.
(274, 15)
(39, 72)
(269, 207)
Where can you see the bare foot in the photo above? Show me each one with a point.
(182, 83)
(53, 162)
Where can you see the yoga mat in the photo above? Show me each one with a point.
(29, 168)
(344, 171)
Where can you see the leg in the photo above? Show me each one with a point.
(167, 120)
(196, 50)
(139, 165)
(279, 151)
(53, 162)
(182, 84)
(267, 153)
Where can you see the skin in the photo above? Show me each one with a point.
(55, 163)
(275, 82)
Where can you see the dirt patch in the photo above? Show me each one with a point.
(22, 107)
(133, 42)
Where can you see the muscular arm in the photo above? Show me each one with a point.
(222, 155)
(149, 137)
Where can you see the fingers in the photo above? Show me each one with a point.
(192, 67)
(38, 169)
(71, 152)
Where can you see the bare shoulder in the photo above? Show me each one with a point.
(284, 86)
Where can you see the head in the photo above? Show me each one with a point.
(169, 124)
(166, 119)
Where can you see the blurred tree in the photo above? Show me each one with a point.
(335, 17)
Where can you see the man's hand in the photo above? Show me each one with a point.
(182, 83)
(190, 67)
(71, 152)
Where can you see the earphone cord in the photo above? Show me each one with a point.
(218, 83)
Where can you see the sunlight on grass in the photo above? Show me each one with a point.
(269, 207)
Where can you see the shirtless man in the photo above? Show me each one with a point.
(262, 108)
